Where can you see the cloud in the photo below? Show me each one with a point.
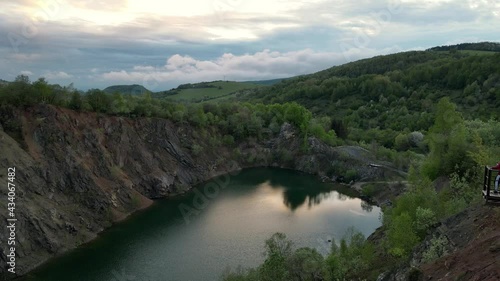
(265, 64)
(97, 42)
(108, 5)
(26, 72)
(57, 75)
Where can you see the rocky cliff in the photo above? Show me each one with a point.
(78, 173)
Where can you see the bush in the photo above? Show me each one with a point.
(424, 220)
(228, 140)
(196, 149)
(401, 236)
(351, 175)
(438, 248)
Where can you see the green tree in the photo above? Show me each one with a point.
(402, 236)
(306, 264)
(447, 142)
(43, 91)
(119, 105)
(297, 115)
(75, 102)
(98, 100)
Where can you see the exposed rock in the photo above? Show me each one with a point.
(78, 173)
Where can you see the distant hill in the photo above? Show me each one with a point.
(126, 89)
(380, 96)
(204, 91)
(3, 82)
(483, 46)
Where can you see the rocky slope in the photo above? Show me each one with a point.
(78, 173)
(465, 246)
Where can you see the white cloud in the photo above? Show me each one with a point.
(56, 75)
(266, 64)
(26, 72)
(101, 42)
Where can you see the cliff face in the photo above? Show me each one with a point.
(77, 173)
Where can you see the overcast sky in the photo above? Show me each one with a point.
(160, 44)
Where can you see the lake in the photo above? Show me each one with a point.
(196, 236)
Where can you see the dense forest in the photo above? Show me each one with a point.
(484, 46)
(433, 113)
(382, 97)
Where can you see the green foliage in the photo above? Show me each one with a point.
(402, 142)
(348, 261)
(351, 259)
(228, 140)
(388, 95)
(401, 235)
(424, 219)
(369, 189)
(297, 115)
(448, 142)
(306, 264)
(196, 149)
(351, 175)
(76, 102)
(274, 269)
(319, 127)
(278, 245)
(438, 247)
(204, 91)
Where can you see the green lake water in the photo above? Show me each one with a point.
(194, 237)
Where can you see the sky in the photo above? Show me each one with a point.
(161, 44)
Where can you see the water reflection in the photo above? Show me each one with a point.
(293, 198)
(229, 230)
(367, 207)
(298, 191)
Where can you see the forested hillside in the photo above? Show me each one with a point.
(380, 97)
(483, 46)
(126, 89)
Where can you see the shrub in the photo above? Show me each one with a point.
(401, 236)
(351, 175)
(425, 218)
(438, 248)
(196, 149)
(228, 140)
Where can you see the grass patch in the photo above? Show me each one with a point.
(220, 89)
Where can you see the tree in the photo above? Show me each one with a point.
(274, 269)
(402, 235)
(98, 100)
(306, 264)
(279, 244)
(447, 142)
(297, 115)
(43, 91)
(340, 128)
(402, 142)
(119, 105)
(75, 102)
